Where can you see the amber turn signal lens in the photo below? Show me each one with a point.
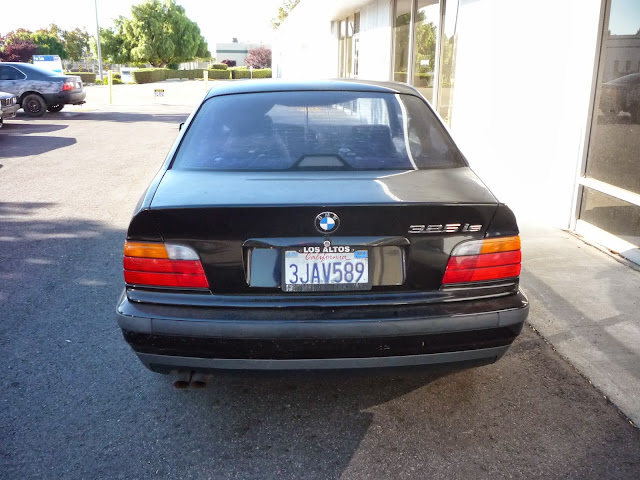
(145, 250)
(505, 244)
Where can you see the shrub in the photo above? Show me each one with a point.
(219, 74)
(218, 66)
(259, 57)
(87, 77)
(116, 78)
(244, 72)
(149, 75)
(230, 63)
(173, 66)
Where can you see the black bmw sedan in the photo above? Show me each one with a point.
(318, 226)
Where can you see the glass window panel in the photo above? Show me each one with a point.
(612, 215)
(448, 61)
(614, 143)
(401, 40)
(332, 129)
(349, 49)
(426, 34)
(341, 41)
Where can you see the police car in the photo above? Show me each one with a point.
(330, 225)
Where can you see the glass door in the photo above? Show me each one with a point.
(610, 186)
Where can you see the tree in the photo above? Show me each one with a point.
(259, 57)
(160, 33)
(283, 12)
(115, 47)
(76, 43)
(49, 41)
(425, 47)
(17, 46)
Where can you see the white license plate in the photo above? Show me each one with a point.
(307, 270)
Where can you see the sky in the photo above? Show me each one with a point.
(219, 20)
(625, 17)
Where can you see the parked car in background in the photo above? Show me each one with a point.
(39, 90)
(8, 105)
(314, 226)
(621, 95)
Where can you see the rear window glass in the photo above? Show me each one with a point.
(320, 130)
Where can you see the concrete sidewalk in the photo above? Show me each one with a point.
(586, 305)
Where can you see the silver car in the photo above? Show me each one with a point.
(8, 106)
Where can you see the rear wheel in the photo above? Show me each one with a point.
(55, 108)
(34, 105)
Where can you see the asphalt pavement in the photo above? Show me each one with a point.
(76, 403)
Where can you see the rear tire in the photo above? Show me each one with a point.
(34, 105)
(55, 108)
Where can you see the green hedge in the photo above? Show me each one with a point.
(219, 74)
(87, 77)
(149, 75)
(117, 79)
(218, 66)
(244, 72)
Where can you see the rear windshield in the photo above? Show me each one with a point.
(319, 130)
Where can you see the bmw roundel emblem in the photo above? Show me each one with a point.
(327, 222)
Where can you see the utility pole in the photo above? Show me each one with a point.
(98, 41)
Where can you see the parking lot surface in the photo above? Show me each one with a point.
(76, 403)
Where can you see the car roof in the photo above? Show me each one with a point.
(33, 69)
(627, 79)
(279, 85)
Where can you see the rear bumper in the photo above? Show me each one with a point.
(169, 338)
(66, 98)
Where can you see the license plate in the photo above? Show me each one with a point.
(310, 269)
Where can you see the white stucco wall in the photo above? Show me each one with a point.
(375, 40)
(304, 46)
(522, 88)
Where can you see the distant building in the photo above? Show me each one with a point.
(236, 51)
(622, 56)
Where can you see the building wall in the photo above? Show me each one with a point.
(523, 84)
(237, 51)
(304, 45)
(375, 40)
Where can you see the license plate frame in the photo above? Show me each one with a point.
(363, 252)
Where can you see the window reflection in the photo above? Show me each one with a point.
(614, 144)
(448, 60)
(612, 215)
(426, 34)
(348, 46)
(401, 32)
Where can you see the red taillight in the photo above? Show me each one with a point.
(67, 86)
(160, 265)
(482, 260)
